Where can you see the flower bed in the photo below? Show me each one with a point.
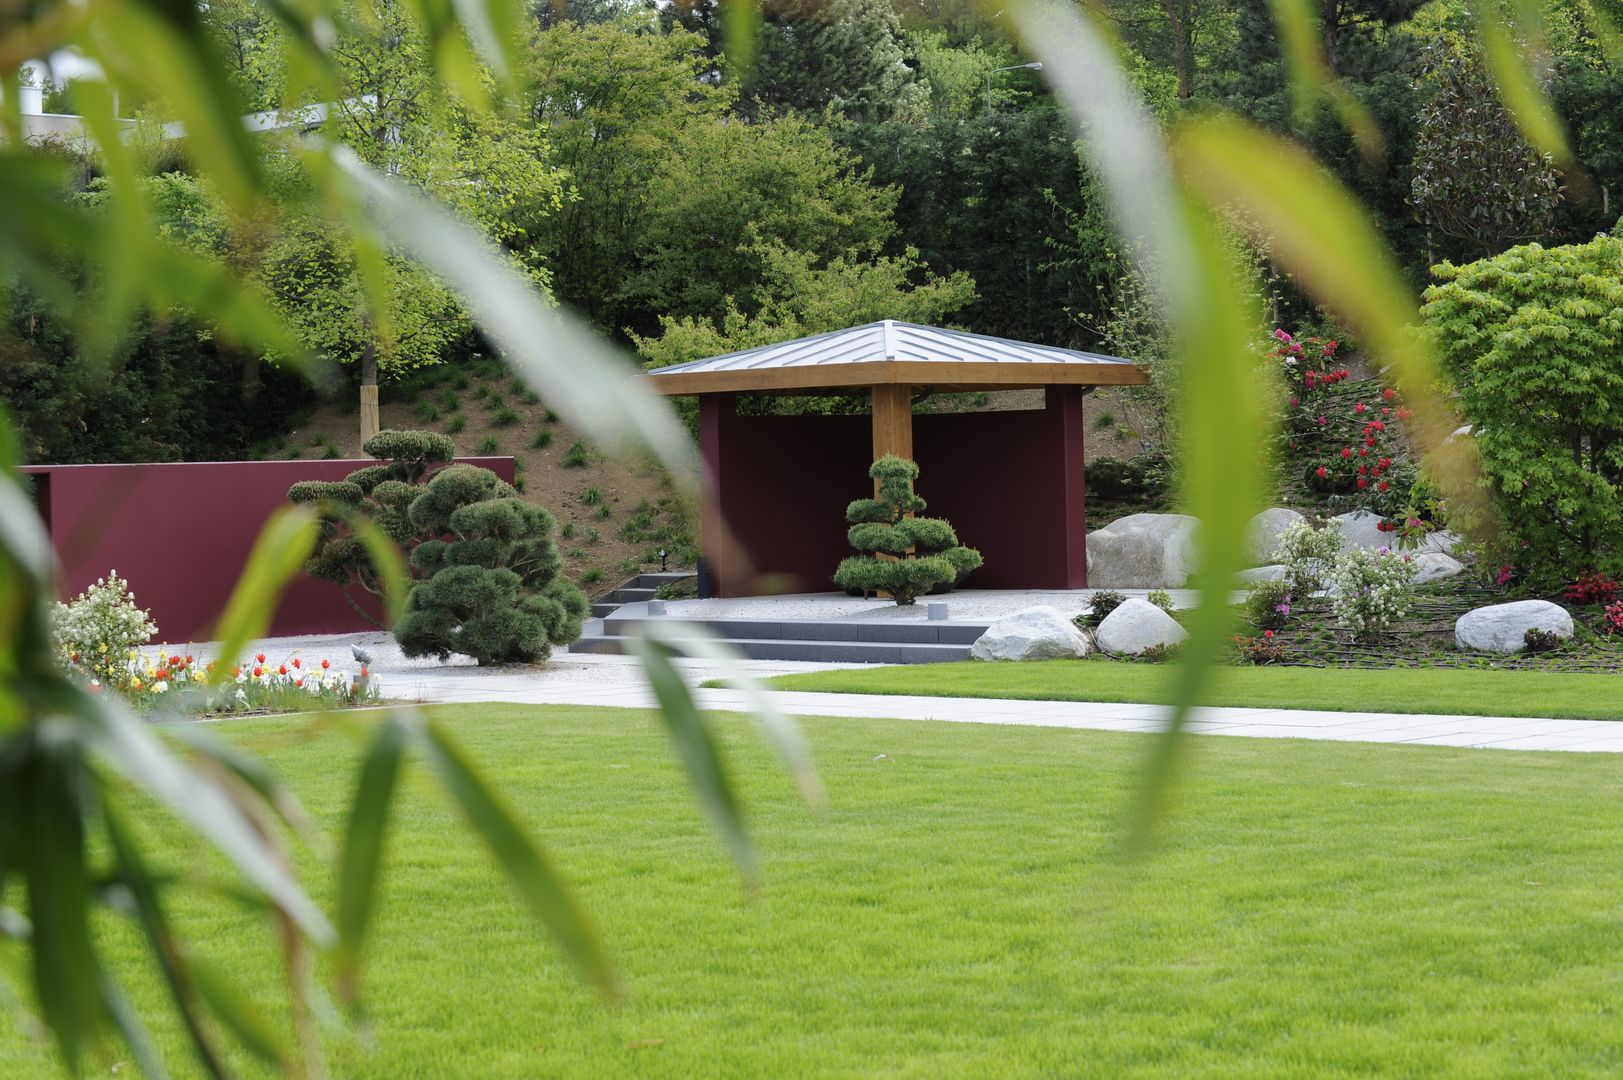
(257, 684)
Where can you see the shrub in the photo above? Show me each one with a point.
(1161, 599)
(541, 440)
(1162, 653)
(576, 456)
(504, 417)
(456, 423)
(1308, 554)
(1537, 641)
(96, 630)
(1535, 346)
(677, 590)
(924, 553)
(490, 446)
(592, 495)
(1613, 617)
(1268, 605)
(1373, 591)
(492, 588)
(592, 576)
(567, 531)
(604, 512)
(1592, 589)
(1139, 479)
(1102, 603)
(450, 401)
(428, 412)
(1260, 650)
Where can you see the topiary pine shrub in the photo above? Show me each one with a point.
(901, 555)
(1533, 339)
(491, 585)
(382, 492)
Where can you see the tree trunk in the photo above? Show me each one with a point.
(1183, 50)
(369, 391)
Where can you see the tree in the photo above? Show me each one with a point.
(851, 57)
(1477, 183)
(381, 494)
(902, 555)
(1534, 341)
(491, 587)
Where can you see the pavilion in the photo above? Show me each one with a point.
(1010, 481)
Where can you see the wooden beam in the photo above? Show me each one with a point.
(987, 375)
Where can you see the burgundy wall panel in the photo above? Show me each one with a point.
(180, 533)
(1010, 482)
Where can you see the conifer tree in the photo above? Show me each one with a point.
(901, 555)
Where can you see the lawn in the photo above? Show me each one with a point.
(1312, 909)
(1459, 691)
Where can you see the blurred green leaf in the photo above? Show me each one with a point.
(1512, 37)
(283, 545)
(783, 733)
(697, 748)
(237, 1014)
(362, 857)
(67, 977)
(130, 746)
(130, 1027)
(565, 362)
(740, 34)
(1311, 77)
(530, 874)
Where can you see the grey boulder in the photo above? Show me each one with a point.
(1038, 633)
(1137, 625)
(1502, 628)
(1435, 566)
(1359, 529)
(1259, 574)
(1262, 535)
(1142, 551)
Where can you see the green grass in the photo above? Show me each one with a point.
(1311, 909)
(1475, 692)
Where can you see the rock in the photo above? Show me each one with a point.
(1142, 551)
(1502, 628)
(1258, 574)
(1039, 633)
(1358, 530)
(1435, 566)
(1262, 535)
(1135, 626)
(1441, 541)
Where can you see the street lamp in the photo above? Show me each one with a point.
(1035, 65)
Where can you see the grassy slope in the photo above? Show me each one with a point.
(1313, 909)
(1404, 690)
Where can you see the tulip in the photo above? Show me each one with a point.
(325, 664)
(282, 670)
(260, 658)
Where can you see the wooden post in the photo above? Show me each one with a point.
(369, 391)
(892, 422)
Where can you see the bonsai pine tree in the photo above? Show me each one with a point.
(382, 492)
(490, 585)
(901, 555)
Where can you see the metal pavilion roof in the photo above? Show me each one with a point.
(894, 352)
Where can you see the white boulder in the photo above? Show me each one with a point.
(1502, 628)
(1262, 535)
(1137, 625)
(1435, 566)
(1038, 633)
(1143, 551)
(1441, 541)
(1359, 530)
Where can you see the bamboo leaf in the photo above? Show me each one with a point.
(1518, 85)
(1311, 77)
(286, 541)
(237, 1013)
(531, 875)
(781, 731)
(696, 746)
(561, 359)
(130, 1027)
(740, 34)
(67, 977)
(362, 856)
(131, 747)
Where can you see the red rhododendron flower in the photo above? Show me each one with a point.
(1321, 472)
(1362, 483)
(1360, 407)
(1389, 393)
(1369, 440)
(1363, 470)
(1295, 402)
(1346, 451)
(1385, 411)
(1267, 633)
(1383, 485)
(1364, 452)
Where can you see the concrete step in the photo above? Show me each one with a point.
(831, 651)
(630, 595)
(603, 608)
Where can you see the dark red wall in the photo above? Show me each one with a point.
(1010, 482)
(180, 533)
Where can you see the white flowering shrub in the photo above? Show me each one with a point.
(1374, 590)
(1309, 555)
(96, 630)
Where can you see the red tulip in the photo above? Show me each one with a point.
(258, 671)
(260, 658)
(325, 664)
(282, 670)
(295, 661)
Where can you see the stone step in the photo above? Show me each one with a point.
(629, 595)
(626, 621)
(825, 651)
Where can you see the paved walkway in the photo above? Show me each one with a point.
(617, 681)
(1500, 733)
